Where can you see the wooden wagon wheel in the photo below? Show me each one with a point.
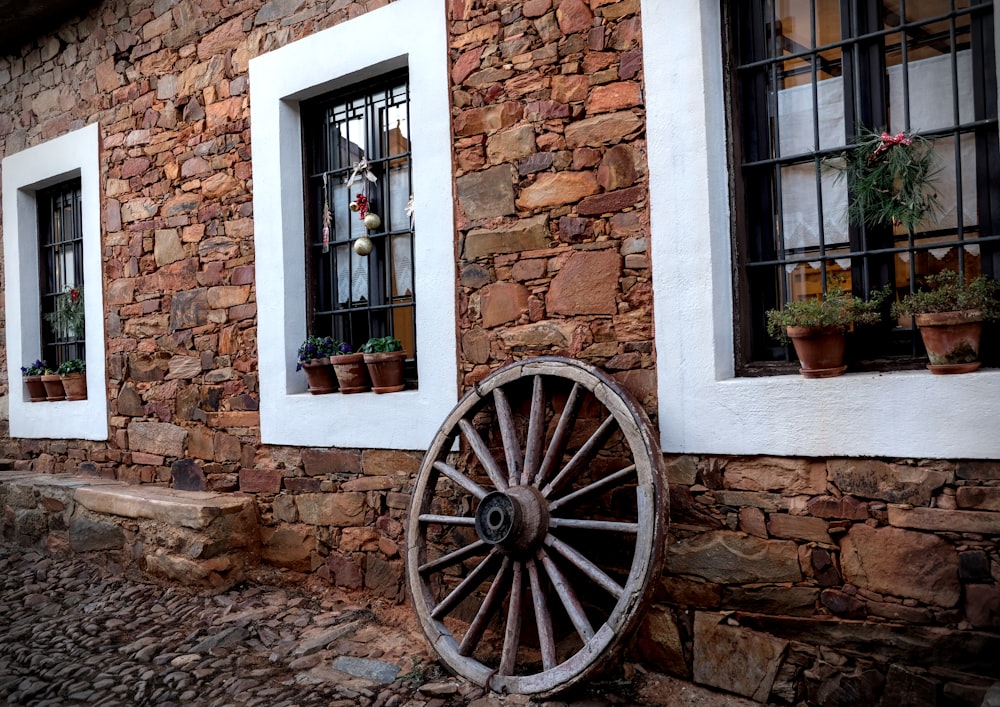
(534, 543)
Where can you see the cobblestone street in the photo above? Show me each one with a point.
(72, 633)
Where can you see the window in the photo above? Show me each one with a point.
(291, 89)
(60, 233)
(358, 163)
(51, 240)
(703, 406)
(809, 76)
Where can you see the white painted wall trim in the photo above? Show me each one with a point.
(75, 154)
(405, 32)
(704, 408)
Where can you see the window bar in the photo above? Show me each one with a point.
(817, 162)
(774, 135)
(957, 143)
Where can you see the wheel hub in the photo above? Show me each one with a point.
(515, 520)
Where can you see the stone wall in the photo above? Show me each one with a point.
(786, 578)
(843, 581)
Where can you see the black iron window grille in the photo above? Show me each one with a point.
(809, 76)
(357, 144)
(60, 240)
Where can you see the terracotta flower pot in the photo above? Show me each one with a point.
(951, 340)
(75, 385)
(53, 387)
(36, 388)
(386, 370)
(351, 373)
(319, 376)
(820, 350)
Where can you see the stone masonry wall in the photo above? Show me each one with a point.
(840, 581)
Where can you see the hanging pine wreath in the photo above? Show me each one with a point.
(890, 179)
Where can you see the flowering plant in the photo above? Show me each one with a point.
(68, 315)
(889, 177)
(39, 367)
(315, 348)
(343, 350)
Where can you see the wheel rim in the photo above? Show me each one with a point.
(532, 549)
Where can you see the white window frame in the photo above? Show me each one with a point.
(404, 33)
(703, 407)
(75, 154)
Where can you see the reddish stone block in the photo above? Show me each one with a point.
(261, 480)
(302, 484)
(611, 201)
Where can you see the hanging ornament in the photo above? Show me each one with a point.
(327, 217)
(362, 169)
(363, 245)
(372, 221)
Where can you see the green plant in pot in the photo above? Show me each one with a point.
(314, 358)
(384, 357)
(352, 373)
(817, 326)
(949, 314)
(74, 379)
(33, 380)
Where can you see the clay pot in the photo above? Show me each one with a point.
(386, 370)
(352, 374)
(951, 340)
(53, 387)
(36, 388)
(820, 350)
(75, 385)
(320, 377)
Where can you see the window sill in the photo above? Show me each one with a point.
(404, 420)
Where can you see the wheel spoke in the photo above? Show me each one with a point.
(508, 431)
(542, 619)
(453, 557)
(598, 485)
(557, 445)
(479, 623)
(446, 520)
(586, 566)
(466, 586)
(461, 479)
(583, 456)
(568, 598)
(512, 634)
(483, 454)
(605, 525)
(536, 432)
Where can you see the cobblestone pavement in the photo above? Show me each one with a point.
(73, 633)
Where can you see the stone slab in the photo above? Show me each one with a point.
(984, 522)
(189, 509)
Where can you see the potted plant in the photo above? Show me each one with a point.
(950, 315)
(314, 359)
(816, 327)
(33, 380)
(53, 385)
(68, 317)
(384, 357)
(352, 373)
(74, 379)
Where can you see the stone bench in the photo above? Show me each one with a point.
(198, 538)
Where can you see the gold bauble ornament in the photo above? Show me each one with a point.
(354, 206)
(363, 245)
(372, 221)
